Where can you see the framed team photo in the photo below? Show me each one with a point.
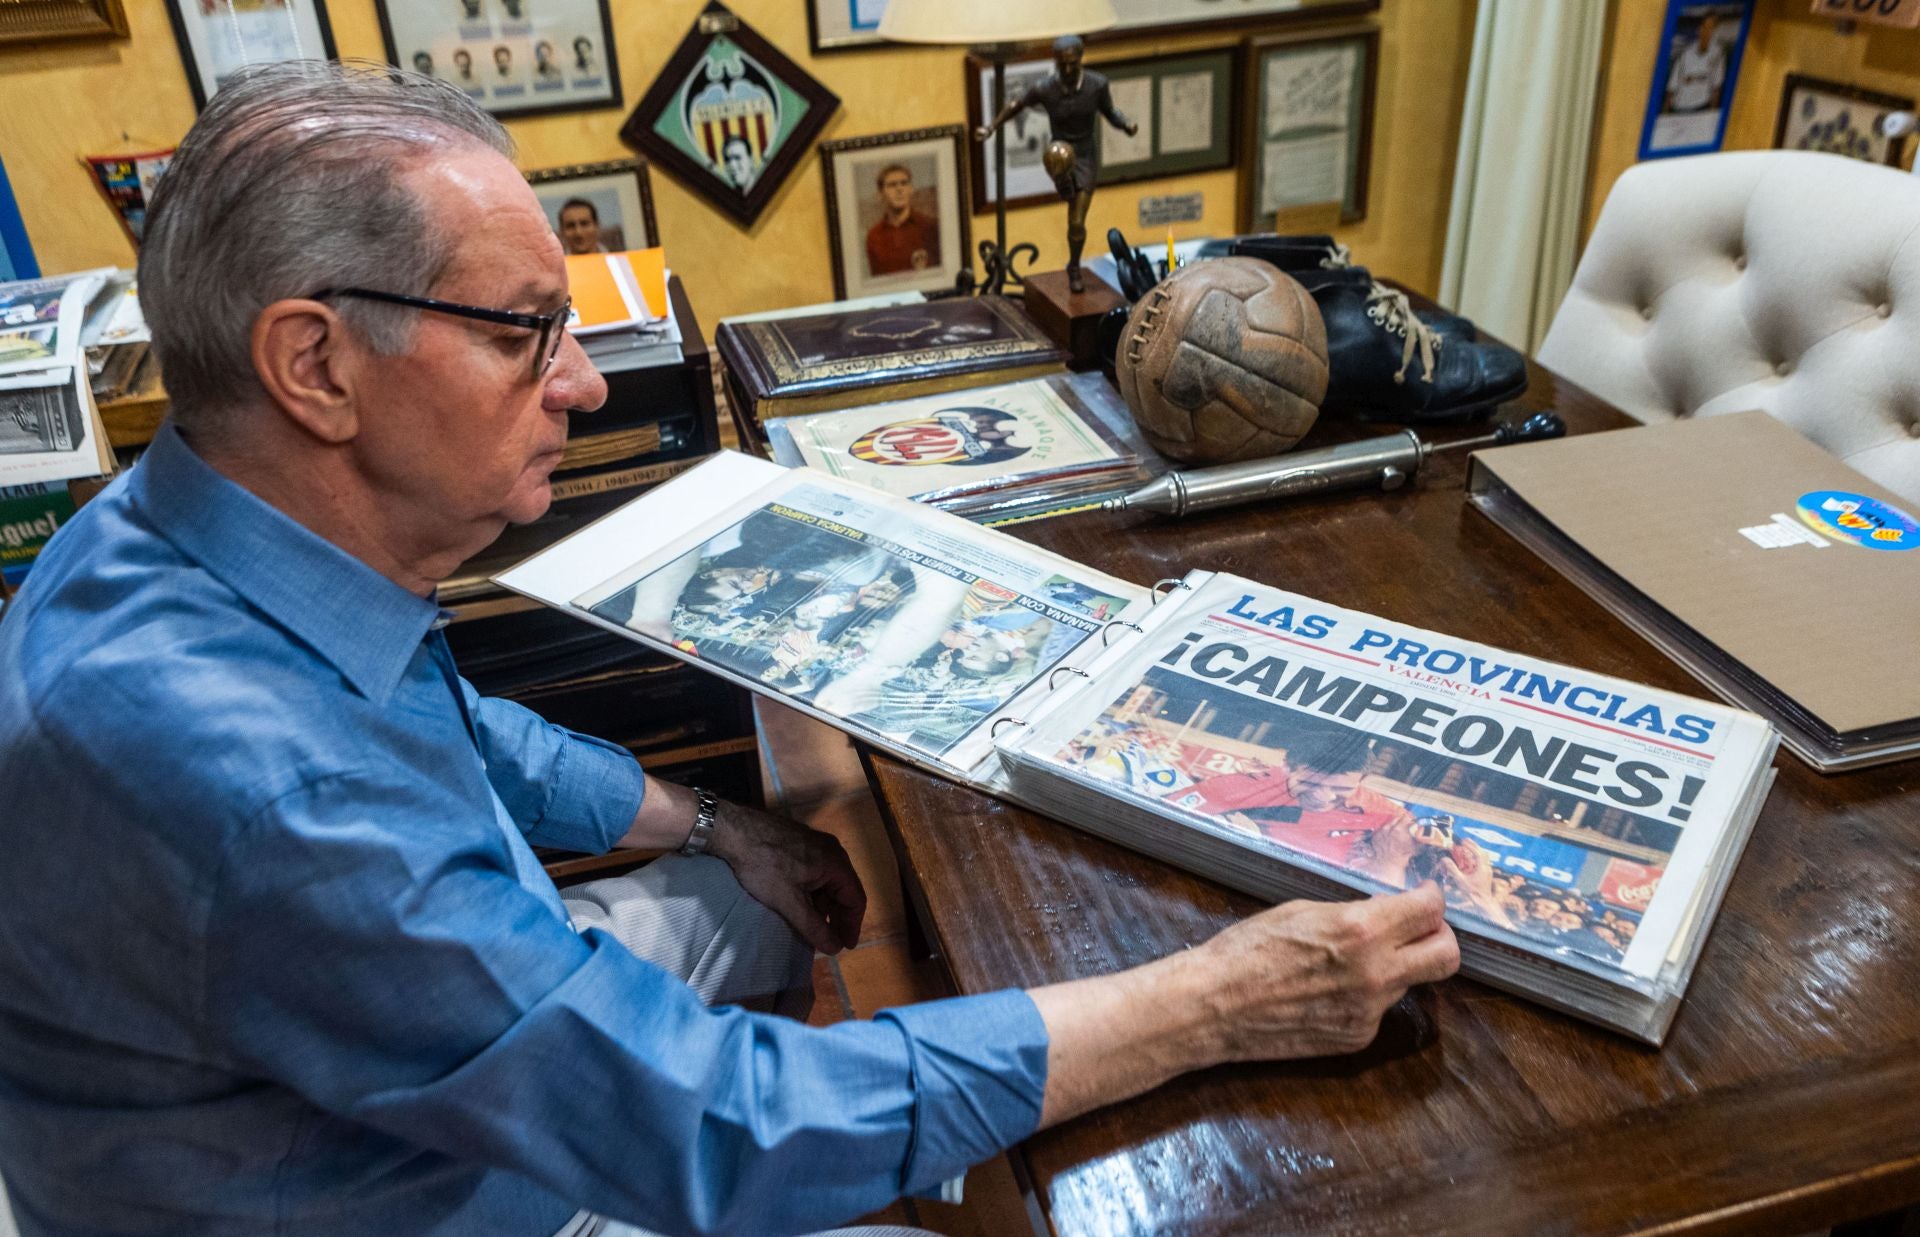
(217, 42)
(897, 217)
(1838, 119)
(514, 57)
(730, 115)
(598, 207)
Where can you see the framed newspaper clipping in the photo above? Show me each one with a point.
(218, 39)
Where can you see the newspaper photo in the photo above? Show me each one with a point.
(1569, 813)
(904, 623)
(41, 320)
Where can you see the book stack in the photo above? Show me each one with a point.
(1583, 829)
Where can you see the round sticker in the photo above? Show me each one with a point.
(1858, 520)
(955, 436)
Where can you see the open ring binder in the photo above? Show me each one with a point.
(1106, 633)
(1060, 670)
(1171, 583)
(993, 731)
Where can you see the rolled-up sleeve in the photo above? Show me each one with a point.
(562, 788)
(368, 948)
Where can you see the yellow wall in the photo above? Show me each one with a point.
(1785, 38)
(59, 102)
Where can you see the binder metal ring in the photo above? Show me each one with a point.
(1171, 583)
(1107, 632)
(993, 731)
(1059, 670)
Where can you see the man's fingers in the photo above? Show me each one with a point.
(808, 922)
(1408, 916)
(1430, 960)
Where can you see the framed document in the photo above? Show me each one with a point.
(1309, 124)
(844, 25)
(730, 115)
(218, 38)
(1026, 135)
(514, 57)
(599, 207)
(897, 215)
(1838, 119)
(1184, 106)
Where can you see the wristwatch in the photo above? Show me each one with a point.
(703, 818)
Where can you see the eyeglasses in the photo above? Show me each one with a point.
(552, 327)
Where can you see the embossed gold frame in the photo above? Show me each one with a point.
(25, 21)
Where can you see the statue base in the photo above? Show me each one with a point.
(1071, 319)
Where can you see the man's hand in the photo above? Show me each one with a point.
(801, 874)
(1303, 979)
(1390, 849)
(1307, 979)
(1133, 129)
(1468, 872)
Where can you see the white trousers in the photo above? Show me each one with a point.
(691, 917)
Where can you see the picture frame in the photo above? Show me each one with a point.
(1184, 104)
(853, 25)
(730, 115)
(35, 21)
(1308, 126)
(874, 251)
(1161, 17)
(513, 57)
(213, 48)
(617, 195)
(1026, 134)
(1838, 118)
(1691, 95)
(844, 25)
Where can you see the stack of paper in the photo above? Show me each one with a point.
(49, 427)
(621, 314)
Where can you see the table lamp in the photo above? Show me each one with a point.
(994, 30)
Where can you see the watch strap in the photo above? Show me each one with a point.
(704, 817)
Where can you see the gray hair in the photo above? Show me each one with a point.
(290, 183)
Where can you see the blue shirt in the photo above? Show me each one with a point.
(275, 955)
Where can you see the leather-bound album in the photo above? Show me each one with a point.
(784, 366)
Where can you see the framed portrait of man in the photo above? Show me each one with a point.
(897, 218)
(217, 42)
(598, 207)
(730, 115)
(514, 57)
(1839, 119)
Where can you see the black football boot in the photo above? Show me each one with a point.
(1385, 364)
(1314, 252)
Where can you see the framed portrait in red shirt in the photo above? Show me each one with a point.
(896, 211)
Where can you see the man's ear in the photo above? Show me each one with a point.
(309, 361)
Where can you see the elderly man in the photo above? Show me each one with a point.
(275, 955)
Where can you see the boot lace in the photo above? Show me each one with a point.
(1392, 311)
(1338, 258)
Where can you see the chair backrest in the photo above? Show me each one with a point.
(1780, 280)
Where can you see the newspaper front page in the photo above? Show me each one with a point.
(1571, 815)
(901, 622)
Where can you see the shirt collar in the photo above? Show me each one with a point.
(354, 617)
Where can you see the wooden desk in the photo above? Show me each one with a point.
(1787, 1096)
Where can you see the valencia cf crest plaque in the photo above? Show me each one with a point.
(729, 115)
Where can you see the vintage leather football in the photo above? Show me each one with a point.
(1225, 359)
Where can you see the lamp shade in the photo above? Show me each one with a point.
(975, 23)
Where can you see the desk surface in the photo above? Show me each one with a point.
(1787, 1096)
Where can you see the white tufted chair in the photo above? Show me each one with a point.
(1780, 280)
